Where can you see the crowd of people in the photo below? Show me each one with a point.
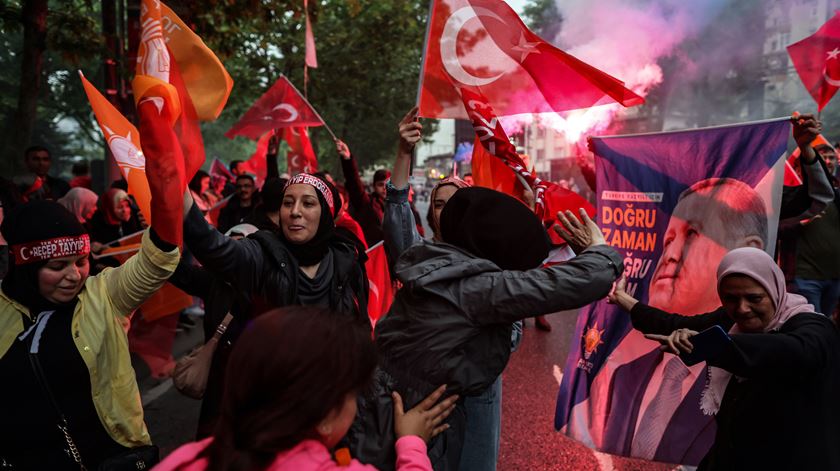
(302, 381)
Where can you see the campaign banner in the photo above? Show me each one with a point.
(672, 204)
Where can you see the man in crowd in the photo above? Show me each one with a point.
(817, 265)
(39, 184)
(241, 205)
(366, 208)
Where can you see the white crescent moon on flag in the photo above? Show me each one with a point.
(831, 81)
(374, 290)
(449, 46)
(295, 162)
(293, 114)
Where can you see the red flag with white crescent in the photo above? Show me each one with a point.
(484, 45)
(817, 61)
(282, 106)
(301, 157)
(381, 291)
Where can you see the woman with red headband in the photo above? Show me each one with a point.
(303, 263)
(69, 398)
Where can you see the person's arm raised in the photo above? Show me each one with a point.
(398, 224)
(410, 134)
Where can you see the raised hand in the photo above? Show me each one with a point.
(411, 131)
(273, 144)
(806, 128)
(425, 420)
(579, 234)
(342, 149)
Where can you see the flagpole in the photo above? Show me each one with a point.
(327, 126)
(425, 50)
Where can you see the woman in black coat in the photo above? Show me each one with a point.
(303, 263)
(774, 387)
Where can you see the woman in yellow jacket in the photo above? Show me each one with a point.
(69, 397)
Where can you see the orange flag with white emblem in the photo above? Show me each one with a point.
(124, 141)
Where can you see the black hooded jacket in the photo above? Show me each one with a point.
(263, 269)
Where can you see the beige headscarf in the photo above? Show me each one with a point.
(430, 217)
(79, 201)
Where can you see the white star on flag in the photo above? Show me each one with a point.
(832, 54)
(525, 48)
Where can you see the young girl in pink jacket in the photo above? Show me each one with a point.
(290, 396)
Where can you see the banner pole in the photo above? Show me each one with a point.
(425, 50)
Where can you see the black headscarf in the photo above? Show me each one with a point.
(34, 221)
(496, 227)
(312, 252)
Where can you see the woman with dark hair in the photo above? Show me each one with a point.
(289, 401)
(199, 185)
(304, 262)
(69, 398)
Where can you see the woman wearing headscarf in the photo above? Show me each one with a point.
(112, 221)
(114, 218)
(304, 262)
(81, 202)
(773, 389)
(69, 398)
(451, 323)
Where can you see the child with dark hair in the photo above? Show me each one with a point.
(285, 410)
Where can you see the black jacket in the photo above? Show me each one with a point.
(784, 412)
(366, 209)
(262, 269)
(451, 324)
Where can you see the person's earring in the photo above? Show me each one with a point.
(325, 430)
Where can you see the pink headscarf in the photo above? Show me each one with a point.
(79, 201)
(759, 266)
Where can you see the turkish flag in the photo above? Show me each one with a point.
(220, 170)
(301, 157)
(381, 291)
(124, 141)
(817, 60)
(256, 165)
(491, 172)
(491, 135)
(282, 106)
(483, 45)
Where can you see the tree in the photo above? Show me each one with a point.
(44, 42)
(543, 18)
(369, 54)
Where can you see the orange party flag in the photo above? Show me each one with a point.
(206, 79)
(124, 141)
